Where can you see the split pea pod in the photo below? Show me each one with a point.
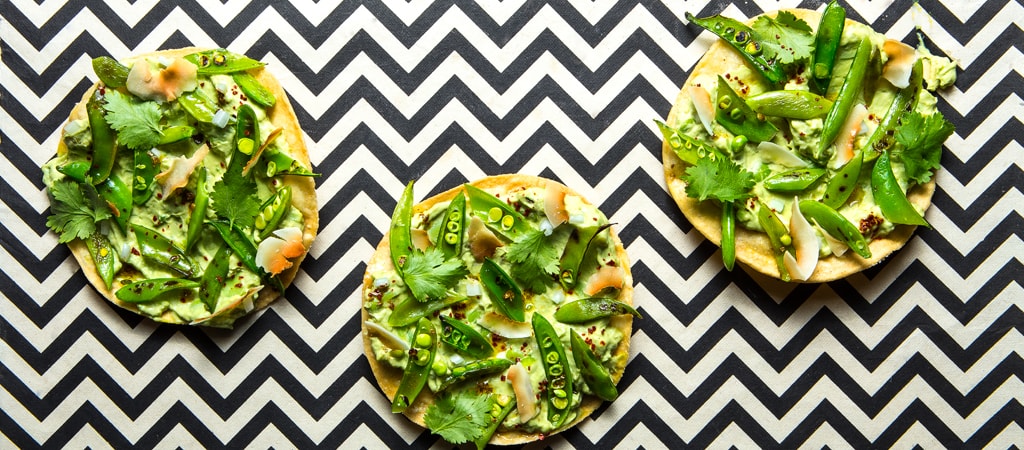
(743, 39)
(836, 226)
(214, 278)
(826, 44)
(464, 338)
(279, 163)
(400, 235)
(421, 356)
(587, 309)
(728, 234)
(146, 290)
(103, 257)
(157, 248)
(473, 370)
(498, 215)
(198, 105)
(688, 149)
(239, 243)
(76, 170)
(221, 61)
(732, 112)
(591, 370)
(842, 184)
(253, 89)
(198, 216)
(794, 180)
(847, 98)
(111, 73)
(176, 133)
(802, 105)
(503, 405)
(906, 100)
(449, 236)
(576, 249)
(559, 392)
(119, 197)
(247, 135)
(104, 141)
(778, 235)
(273, 210)
(144, 175)
(890, 197)
(410, 310)
(502, 290)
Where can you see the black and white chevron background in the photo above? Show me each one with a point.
(924, 350)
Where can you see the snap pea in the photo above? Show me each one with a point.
(279, 163)
(239, 242)
(221, 61)
(906, 100)
(410, 310)
(473, 370)
(104, 141)
(778, 235)
(247, 135)
(111, 73)
(826, 44)
(836, 226)
(421, 356)
(890, 197)
(504, 293)
(802, 105)
(594, 374)
(794, 180)
(76, 170)
(119, 196)
(160, 250)
(587, 309)
(273, 211)
(198, 105)
(253, 89)
(453, 226)
(400, 235)
(499, 216)
(728, 235)
(848, 95)
(559, 392)
(146, 290)
(688, 149)
(198, 215)
(505, 406)
(842, 184)
(174, 134)
(103, 257)
(743, 39)
(733, 113)
(464, 338)
(214, 277)
(576, 249)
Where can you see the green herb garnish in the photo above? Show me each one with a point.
(718, 178)
(137, 123)
(535, 258)
(76, 209)
(458, 418)
(785, 38)
(921, 139)
(234, 199)
(429, 275)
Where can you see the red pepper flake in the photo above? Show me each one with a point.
(135, 251)
(238, 285)
(159, 195)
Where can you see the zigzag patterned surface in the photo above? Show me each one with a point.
(923, 350)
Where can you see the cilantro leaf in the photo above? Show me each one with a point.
(786, 37)
(234, 199)
(718, 178)
(76, 210)
(137, 123)
(458, 418)
(535, 258)
(921, 138)
(429, 275)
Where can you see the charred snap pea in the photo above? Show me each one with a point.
(847, 98)
(453, 225)
(559, 392)
(421, 357)
(104, 141)
(400, 236)
(890, 197)
(591, 370)
(464, 338)
(504, 293)
(273, 211)
(734, 114)
(800, 105)
(144, 175)
(836, 226)
(198, 105)
(473, 370)
(906, 100)
(794, 180)
(76, 170)
(111, 73)
(503, 405)
(728, 235)
(146, 290)
(239, 242)
(587, 309)
(576, 249)
(214, 277)
(158, 249)
(221, 61)
(499, 216)
(742, 38)
(826, 44)
(253, 89)
(778, 235)
(842, 184)
(119, 197)
(198, 216)
(103, 257)
(686, 148)
(410, 310)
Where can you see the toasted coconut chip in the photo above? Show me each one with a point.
(848, 134)
(274, 252)
(702, 104)
(504, 327)
(605, 277)
(181, 169)
(256, 156)
(387, 337)
(244, 300)
(778, 154)
(526, 403)
(482, 242)
(838, 247)
(805, 244)
(554, 205)
(166, 84)
(900, 64)
(420, 239)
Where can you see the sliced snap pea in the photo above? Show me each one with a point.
(728, 235)
(247, 136)
(890, 197)
(559, 392)
(76, 170)
(410, 310)
(400, 235)
(836, 225)
(161, 250)
(503, 292)
(794, 180)
(421, 356)
(279, 163)
(587, 309)
(146, 290)
(104, 141)
(732, 112)
(802, 105)
(473, 370)
(505, 406)
(111, 73)
(453, 226)
(214, 278)
(273, 210)
(119, 196)
(842, 184)
(576, 249)
(198, 105)
(242, 245)
(883, 137)
(687, 148)
(253, 89)
(198, 215)
(778, 235)
(591, 370)
(742, 38)
(103, 257)
(174, 134)
(465, 338)
(847, 98)
(826, 44)
(221, 61)
(499, 216)
(144, 175)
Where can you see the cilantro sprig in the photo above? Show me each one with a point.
(137, 122)
(234, 199)
(718, 178)
(458, 418)
(76, 208)
(429, 275)
(786, 37)
(920, 138)
(535, 258)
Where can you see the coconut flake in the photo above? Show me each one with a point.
(848, 134)
(525, 398)
(274, 252)
(176, 176)
(420, 239)
(387, 337)
(702, 104)
(605, 277)
(900, 64)
(165, 84)
(805, 245)
(778, 154)
(482, 242)
(502, 326)
(554, 205)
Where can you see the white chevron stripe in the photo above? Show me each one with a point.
(1012, 435)
(1009, 109)
(88, 437)
(732, 436)
(28, 282)
(917, 436)
(639, 437)
(824, 436)
(40, 14)
(40, 107)
(364, 437)
(975, 188)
